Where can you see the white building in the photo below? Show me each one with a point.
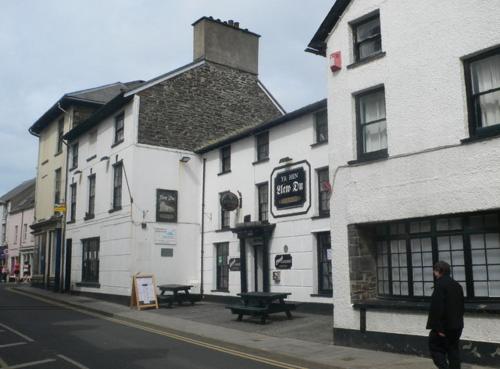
(277, 238)
(414, 117)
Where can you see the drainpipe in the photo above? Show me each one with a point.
(202, 226)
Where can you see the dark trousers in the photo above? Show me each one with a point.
(445, 351)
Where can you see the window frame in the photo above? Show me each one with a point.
(57, 185)
(473, 112)
(225, 159)
(73, 194)
(320, 263)
(119, 118)
(261, 217)
(317, 131)
(223, 216)
(222, 270)
(90, 276)
(259, 144)
(322, 212)
(372, 155)
(117, 189)
(356, 44)
(91, 196)
(74, 158)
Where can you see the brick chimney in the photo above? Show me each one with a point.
(226, 43)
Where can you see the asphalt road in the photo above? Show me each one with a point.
(39, 335)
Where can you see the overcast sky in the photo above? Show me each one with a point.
(51, 47)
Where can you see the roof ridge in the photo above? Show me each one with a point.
(94, 88)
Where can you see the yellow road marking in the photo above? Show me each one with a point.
(196, 342)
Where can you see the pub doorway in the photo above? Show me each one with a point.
(255, 264)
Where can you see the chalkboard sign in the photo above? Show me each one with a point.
(234, 265)
(143, 291)
(290, 188)
(283, 261)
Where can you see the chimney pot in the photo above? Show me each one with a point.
(236, 24)
(230, 22)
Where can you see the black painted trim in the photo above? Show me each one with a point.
(116, 143)
(260, 161)
(222, 173)
(88, 284)
(321, 143)
(366, 60)
(91, 158)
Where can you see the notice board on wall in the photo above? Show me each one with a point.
(144, 292)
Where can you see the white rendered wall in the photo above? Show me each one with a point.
(292, 139)
(426, 109)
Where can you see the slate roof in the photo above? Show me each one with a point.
(262, 126)
(22, 196)
(93, 96)
(17, 190)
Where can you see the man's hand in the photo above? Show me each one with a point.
(441, 334)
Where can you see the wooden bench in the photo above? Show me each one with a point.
(262, 304)
(180, 294)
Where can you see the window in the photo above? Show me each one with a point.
(483, 91)
(225, 158)
(16, 229)
(60, 134)
(371, 124)
(324, 191)
(90, 260)
(262, 146)
(117, 186)
(263, 195)
(367, 38)
(222, 266)
(91, 208)
(92, 141)
(74, 156)
(119, 128)
(324, 264)
(57, 182)
(25, 232)
(72, 210)
(406, 252)
(225, 215)
(321, 126)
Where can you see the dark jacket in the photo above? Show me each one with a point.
(447, 306)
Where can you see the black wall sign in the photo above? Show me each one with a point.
(229, 201)
(290, 188)
(283, 261)
(234, 265)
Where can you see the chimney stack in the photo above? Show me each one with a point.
(226, 43)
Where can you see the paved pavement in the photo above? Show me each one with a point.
(280, 340)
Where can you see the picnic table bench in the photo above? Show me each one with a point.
(180, 293)
(262, 304)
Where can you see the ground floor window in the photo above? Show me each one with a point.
(470, 243)
(222, 266)
(324, 263)
(90, 261)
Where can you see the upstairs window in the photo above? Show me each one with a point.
(225, 159)
(263, 193)
(371, 122)
(225, 215)
(119, 128)
(262, 146)
(321, 126)
(483, 90)
(60, 134)
(324, 191)
(117, 186)
(91, 209)
(57, 185)
(367, 37)
(73, 203)
(74, 156)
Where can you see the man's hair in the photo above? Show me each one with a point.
(442, 267)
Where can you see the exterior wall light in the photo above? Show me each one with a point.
(285, 159)
(185, 159)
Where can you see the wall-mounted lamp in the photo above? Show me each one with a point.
(185, 159)
(104, 158)
(285, 159)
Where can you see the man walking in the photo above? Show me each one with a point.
(446, 318)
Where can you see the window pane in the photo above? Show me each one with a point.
(427, 258)
(445, 256)
(493, 256)
(402, 259)
(418, 289)
(368, 29)
(443, 243)
(494, 289)
(404, 289)
(492, 240)
(428, 289)
(485, 74)
(428, 276)
(459, 273)
(415, 245)
(416, 259)
(490, 109)
(477, 241)
(456, 243)
(396, 288)
(372, 107)
(417, 274)
(479, 273)
(375, 137)
(457, 258)
(478, 257)
(426, 244)
(494, 272)
(369, 47)
(480, 289)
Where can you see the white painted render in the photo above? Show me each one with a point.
(426, 109)
(19, 238)
(291, 139)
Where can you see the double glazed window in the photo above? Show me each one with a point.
(72, 210)
(91, 208)
(222, 266)
(324, 190)
(262, 146)
(367, 37)
(324, 263)
(119, 128)
(371, 124)
(263, 194)
(406, 252)
(225, 159)
(321, 126)
(90, 260)
(483, 82)
(117, 186)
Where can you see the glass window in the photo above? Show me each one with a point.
(263, 194)
(225, 156)
(74, 155)
(57, 192)
(372, 132)
(119, 128)
(263, 146)
(225, 216)
(324, 191)
(222, 266)
(60, 134)
(324, 263)
(91, 208)
(321, 124)
(383, 281)
(367, 38)
(117, 186)
(90, 260)
(73, 202)
(421, 260)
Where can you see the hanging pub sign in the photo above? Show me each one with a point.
(290, 188)
(166, 206)
(283, 261)
(229, 201)
(234, 265)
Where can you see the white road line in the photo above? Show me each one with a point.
(32, 363)
(13, 344)
(17, 332)
(75, 363)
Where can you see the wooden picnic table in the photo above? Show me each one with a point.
(180, 293)
(262, 304)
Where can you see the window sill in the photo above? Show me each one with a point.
(89, 216)
(223, 230)
(322, 143)
(71, 222)
(323, 216)
(222, 173)
(371, 157)
(88, 284)
(222, 291)
(45, 162)
(118, 208)
(366, 60)
(260, 161)
(481, 137)
(117, 143)
(419, 305)
(91, 158)
(72, 169)
(324, 295)
(58, 153)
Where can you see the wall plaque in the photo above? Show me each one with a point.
(234, 265)
(290, 188)
(283, 261)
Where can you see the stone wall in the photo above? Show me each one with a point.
(200, 105)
